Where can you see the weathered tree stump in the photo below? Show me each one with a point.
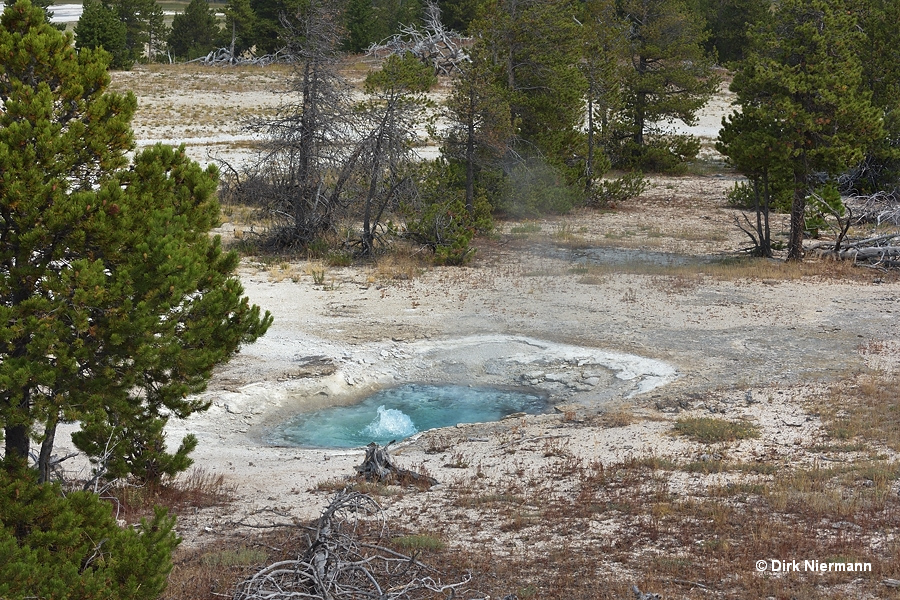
(379, 466)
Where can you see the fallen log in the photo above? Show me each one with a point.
(876, 251)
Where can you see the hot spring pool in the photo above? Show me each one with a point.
(397, 413)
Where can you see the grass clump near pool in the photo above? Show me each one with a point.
(709, 430)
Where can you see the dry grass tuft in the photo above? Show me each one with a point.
(709, 430)
(404, 263)
(193, 490)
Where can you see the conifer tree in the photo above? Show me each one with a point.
(100, 27)
(480, 130)
(394, 109)
(801, 87)
(604, 72)
(115, 303)
(536, 46)
(69, 546)
(671, 76)
(239, 32)
(194, 31)
(879, 53)
(360, 25)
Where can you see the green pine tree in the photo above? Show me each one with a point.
(115, 302)
(879, 52)
(457, 15)
(728, 23)
(145, 28)
(194, 31)
(69, 546)
(360, 26)
(603, 69)
(100, 27)
(802, 92)
(671, 77)
(536, 46)
(240, 27)
(480, 130)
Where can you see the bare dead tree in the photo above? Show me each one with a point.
(878, 208)
(342, 563)
(433, 44)
(880, 251)
(311, 146)
(393, 113)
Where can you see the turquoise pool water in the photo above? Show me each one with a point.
(397, 413)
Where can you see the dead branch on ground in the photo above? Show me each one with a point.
(434, 45)
(880, 207)
(881, 251)
(341, 564)
(223, 57)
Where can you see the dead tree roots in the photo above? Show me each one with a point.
(342, 563)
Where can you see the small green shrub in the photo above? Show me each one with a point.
(741, 195)
(822, 207)
(421, 541)
(610, 192)
(70, 546)
(534, 188)
(439, 218)
(663, 154)
(710, 430)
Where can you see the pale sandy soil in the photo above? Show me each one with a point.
(527, 312)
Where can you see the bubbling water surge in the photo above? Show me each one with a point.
(390, 422)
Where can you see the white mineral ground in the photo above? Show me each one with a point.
(520, 315)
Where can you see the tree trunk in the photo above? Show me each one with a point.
(589, 162)
(15, 437)
(16, 442)
(798, 210)
(368, 238)
(470, 156)
(233, 39)
(640, 110)
(47, 449)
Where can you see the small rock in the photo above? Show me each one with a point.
(558, 377)
(709, 457)
(846, 525)
(592, 381)
(233, 409)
